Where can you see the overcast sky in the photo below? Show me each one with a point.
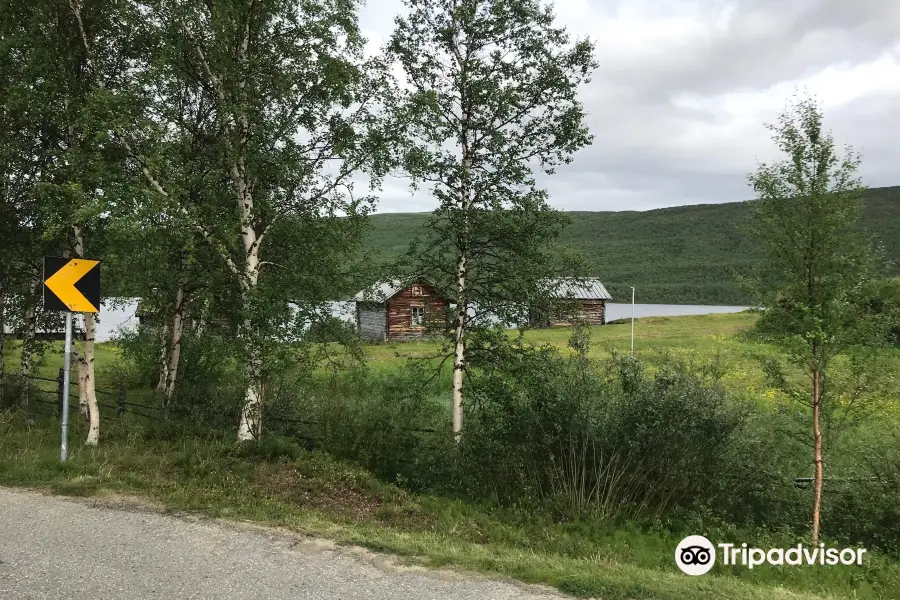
(678, 103)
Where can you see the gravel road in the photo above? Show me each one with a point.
(56, 548)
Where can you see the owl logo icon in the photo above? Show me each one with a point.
(695, 555)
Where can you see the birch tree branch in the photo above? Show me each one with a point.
(145, 171)
(158, 188)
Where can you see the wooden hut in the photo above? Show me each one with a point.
(400, 310)
(583, 299)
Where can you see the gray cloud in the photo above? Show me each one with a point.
(665, 106)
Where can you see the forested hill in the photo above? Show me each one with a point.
(684, 254)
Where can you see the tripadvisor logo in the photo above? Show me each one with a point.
(696, 555)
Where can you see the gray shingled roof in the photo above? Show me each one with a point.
(380, 292)
(385, 290)
(575, 289)
(578, 289)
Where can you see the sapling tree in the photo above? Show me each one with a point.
(491, 99)
(818, 269)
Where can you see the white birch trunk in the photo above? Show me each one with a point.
(163, 360)
(30, 332)
(89, 381)
(81, 358)
(250, 413)
(462, 305)
(459, 350)
(87, 393)
(81, 366)
(175, 346)
(200, 323)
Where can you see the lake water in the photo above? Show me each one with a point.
(120, 313)
(616, 310)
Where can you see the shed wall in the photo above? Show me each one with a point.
(593, 312)
(371, 322)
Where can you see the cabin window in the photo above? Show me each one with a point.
(418, 316)
(416, 290)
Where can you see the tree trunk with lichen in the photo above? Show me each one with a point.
(251, 415)
(459, 346)
(175, 345)
(87, 393)
(163, 359)
(89, 382)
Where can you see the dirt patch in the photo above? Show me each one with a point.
(288, 484)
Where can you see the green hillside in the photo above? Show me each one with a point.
(684, 254)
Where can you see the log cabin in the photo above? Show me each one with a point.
(582, 299)
(399, 310)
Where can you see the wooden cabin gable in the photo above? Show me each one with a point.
(414, 310)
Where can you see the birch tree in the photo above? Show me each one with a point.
(819, 266)
(492, 99)
(24, 163)
(177, 266)
(293, 119)
(66, 114)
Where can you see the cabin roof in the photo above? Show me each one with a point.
(577, 289)
(385, 290)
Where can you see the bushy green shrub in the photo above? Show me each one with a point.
(209, 387)
(388, 422)
(138, 366)
(611, 439)
(757, 488)
(885, 300)
(864, 506)
(331, 330)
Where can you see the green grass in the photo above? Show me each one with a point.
(702, 337)
(684, 254)
(277, 483)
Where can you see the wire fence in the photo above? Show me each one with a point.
(311, 429)
(120, 396)
(123, 405)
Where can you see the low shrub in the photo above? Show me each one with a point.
(864, 506)
(387, 422)
(603, 439)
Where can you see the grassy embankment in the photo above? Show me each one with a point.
(279, 483)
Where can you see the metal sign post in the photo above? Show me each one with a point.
(70, 286)
(67, 366)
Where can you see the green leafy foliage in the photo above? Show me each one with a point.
(683, 254)
(818, 277)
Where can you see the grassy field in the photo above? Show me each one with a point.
(700, 337)
(686, 254)
(277, 482)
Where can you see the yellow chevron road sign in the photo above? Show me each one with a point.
(71, 285)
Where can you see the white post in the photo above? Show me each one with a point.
(67, 364)
(632, 321)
